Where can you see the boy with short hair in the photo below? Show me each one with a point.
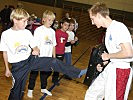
(71, 40)
(61, 39)
(46, 42)
(68, 46)
(16, 44)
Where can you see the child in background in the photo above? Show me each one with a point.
(71, 40)
(61, 39)
(29, 23)
(55, 25)
(44, 36)
(37, 23)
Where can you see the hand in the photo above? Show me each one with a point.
(35, 51)
(76, 38)
(105, 62)
(99, 67)
(8, 73)
(72, 42)
(105, 56)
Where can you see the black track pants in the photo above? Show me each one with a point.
(21, 70)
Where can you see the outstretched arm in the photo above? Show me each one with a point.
(7, 72)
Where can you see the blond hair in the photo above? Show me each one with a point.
(100, 8)
(48, 13)
(19, 14)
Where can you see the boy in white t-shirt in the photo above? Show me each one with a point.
(17, 45)
(44, 36)
(71, 40)
(68, 46)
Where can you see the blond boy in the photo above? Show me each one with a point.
(46, 42)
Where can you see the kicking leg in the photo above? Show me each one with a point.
(56, 65)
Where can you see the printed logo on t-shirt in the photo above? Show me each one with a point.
(47, 41)
(20, 49)
(16, 44)
(62, 39)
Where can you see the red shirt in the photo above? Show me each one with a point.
(35, 25)
(61, 39)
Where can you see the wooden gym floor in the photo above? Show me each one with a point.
(68, 89)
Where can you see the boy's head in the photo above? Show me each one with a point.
(48, 18)
(72, 25)
(19, 17)
(19, 14)
(98, 12)
(65, 22)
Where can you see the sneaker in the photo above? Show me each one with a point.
(46, 91)
(29, 94)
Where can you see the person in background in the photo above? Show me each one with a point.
(114, 81)
(44, 36)
(37, 23)
(67, 15)
(61, 39)
(29, 23)
(75, 25)
(71, 40)
(55, 25)
(5, 17)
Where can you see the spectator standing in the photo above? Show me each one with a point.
(68, 46)
(44, 36)
(61, 39)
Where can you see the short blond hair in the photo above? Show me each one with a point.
(100, 8)
(19, 14)
(48, 13)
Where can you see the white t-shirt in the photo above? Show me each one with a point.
(70, 38)
(17, 44)
(116, 34)
(45, 39)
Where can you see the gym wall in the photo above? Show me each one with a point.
(124, 5)
(35, 8)
(7, 2)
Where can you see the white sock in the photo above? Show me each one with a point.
(29, 94)
(82, 72)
